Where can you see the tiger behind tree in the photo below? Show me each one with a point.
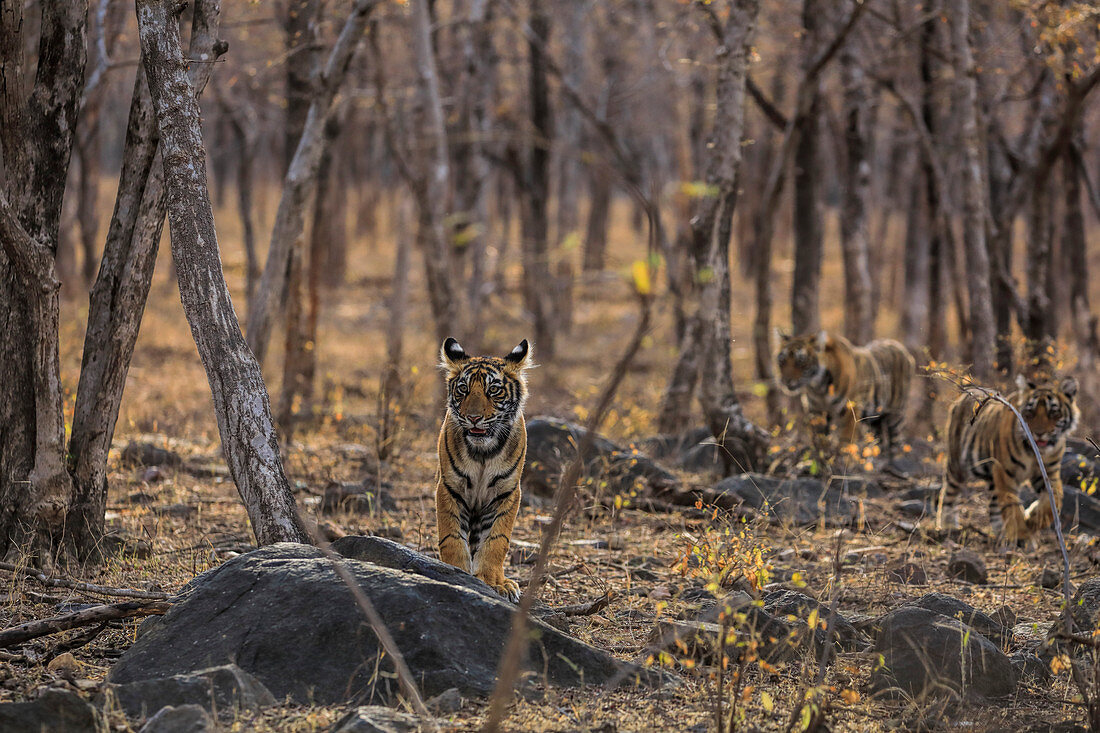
(986, 442)
(849, 384)
(482, 446)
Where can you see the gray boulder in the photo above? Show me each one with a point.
(54, 710)
(802, 501)
(225, 689)
(182, 719)
(283, 615)
(927, 654)
(552, 445)
(781, 603)
(961, 611)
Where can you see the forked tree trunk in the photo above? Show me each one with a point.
(973, 193)
(301, 180)
(121, 288)
(240, 397)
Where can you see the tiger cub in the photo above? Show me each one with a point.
(985, 441)
(482, 446)
(849, 384)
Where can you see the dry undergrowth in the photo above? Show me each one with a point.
(167, 402)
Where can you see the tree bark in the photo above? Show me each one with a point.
(536, 190)
(859, 318)
(973, 194)
(36, 135)
(808, 234)
(240, 397)
(301, 180)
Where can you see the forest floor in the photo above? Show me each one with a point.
(182, 525)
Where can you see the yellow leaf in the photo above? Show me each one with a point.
(766, 701)
(642, 282)
(849, 696)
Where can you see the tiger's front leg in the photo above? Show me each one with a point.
(491, 554)
(1039, 515)
(453, 543)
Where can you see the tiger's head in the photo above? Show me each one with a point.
(485, 394)
(1049, 408)
(801, 361)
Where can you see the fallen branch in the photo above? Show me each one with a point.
(80, 585)
(87, 617)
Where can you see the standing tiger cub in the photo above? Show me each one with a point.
(849, 384)
(986, 442)
(481, 450)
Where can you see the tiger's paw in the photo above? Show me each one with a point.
(504, 586)
(1015, 530)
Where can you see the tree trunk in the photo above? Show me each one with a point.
(808, 234)
(707, 337)
(36, 139)
(303, 57)
(243, 122)
(240, 397)
(973, 194)
(599, 216)
(1039, 324)
(859, 318)
(570, 129)
(301, 180)
(536, 190)
(1076, 269)
(914, 303)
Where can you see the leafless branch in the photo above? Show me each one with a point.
(86, 617)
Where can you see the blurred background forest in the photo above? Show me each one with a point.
(500, 182)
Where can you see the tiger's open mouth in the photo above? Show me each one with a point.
(1041, 443)
(477, 431)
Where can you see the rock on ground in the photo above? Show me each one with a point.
(802, 501)
(945, 605)
(783, 603)
(225, 689)
(969, 566)
(552, 445)
(54, 710)
(181, 719)
(283, 615)
(927, 654)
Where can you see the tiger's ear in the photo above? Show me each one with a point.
(1069, 387)
(451, 355)
(520, 356)
(782, 335)
(822, 340)
(1023, 383)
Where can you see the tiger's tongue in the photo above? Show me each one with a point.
(477, 431)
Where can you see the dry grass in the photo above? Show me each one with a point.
(167, 401)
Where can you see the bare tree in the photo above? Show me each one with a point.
(36, 138)
(859, 319)
(973, 193)
(301, 181)
(240, 397)
(705, 346)
(121, 288)
(807, 183)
